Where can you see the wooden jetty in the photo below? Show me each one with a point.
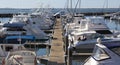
(56, 56)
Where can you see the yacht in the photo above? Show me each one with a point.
(13, 29)
(116, 16)
(84, 42)
(20, 57)
(43, 18)
(105, 54)
(23, 25)
(43, 22)
(83, 37)
(11, 43)
(73, 23)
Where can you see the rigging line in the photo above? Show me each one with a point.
(79, 3)
(104, 6)
(68, 9)
(74, 10)
(76, 7)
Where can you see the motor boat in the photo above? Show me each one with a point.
(84, 42)
(23, 25)
(73, 23)
(83, 38)
(43, 22)
(104, 54)
(42, 18)
(20, 57)
(13, 42)
(13, 29)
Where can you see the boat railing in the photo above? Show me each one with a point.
(17, 61)
(28, 49)
(7, 57)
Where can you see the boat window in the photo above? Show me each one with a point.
(83, 24)
(100, 54)
(104, 31)
(94, 36)
(15, 29)
(78, 22)
(6, 48)
(82, 38)
(116, 50)
(97, 21)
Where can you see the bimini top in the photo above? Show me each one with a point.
(26, 37)
(13, 25)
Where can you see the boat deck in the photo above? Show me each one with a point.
(56, 56)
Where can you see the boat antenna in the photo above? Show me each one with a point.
(99, 40)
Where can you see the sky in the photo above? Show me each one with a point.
(58, 3)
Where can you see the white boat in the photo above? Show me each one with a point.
(116, 16)
(13, 47)
(74, 23)
(14, 43)
(43, 18)
(105, 54)
(13, 29)
(84, 42)
(23, 24)
(83, 38)
(20, 57)
(43, 22)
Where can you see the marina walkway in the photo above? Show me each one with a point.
(56, 56)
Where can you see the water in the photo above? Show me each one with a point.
(54, 10)
(41, 52)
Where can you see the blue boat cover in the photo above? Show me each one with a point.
(13, 25)
(25, 37)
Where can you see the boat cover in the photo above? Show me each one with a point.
(13, 25)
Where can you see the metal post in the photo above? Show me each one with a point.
(66, 44)
(69, 56)
(47, 47)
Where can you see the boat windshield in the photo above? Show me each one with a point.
(83, 24)
(116, 50)
(94, 36)
(100, 54)
(97, 21)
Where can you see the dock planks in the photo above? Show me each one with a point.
(56, 56)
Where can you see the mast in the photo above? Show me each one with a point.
(79, 3)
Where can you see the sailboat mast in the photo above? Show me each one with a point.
(71, 4)
(79, 4)
(107, 4)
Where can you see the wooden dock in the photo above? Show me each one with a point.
(56, 56)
